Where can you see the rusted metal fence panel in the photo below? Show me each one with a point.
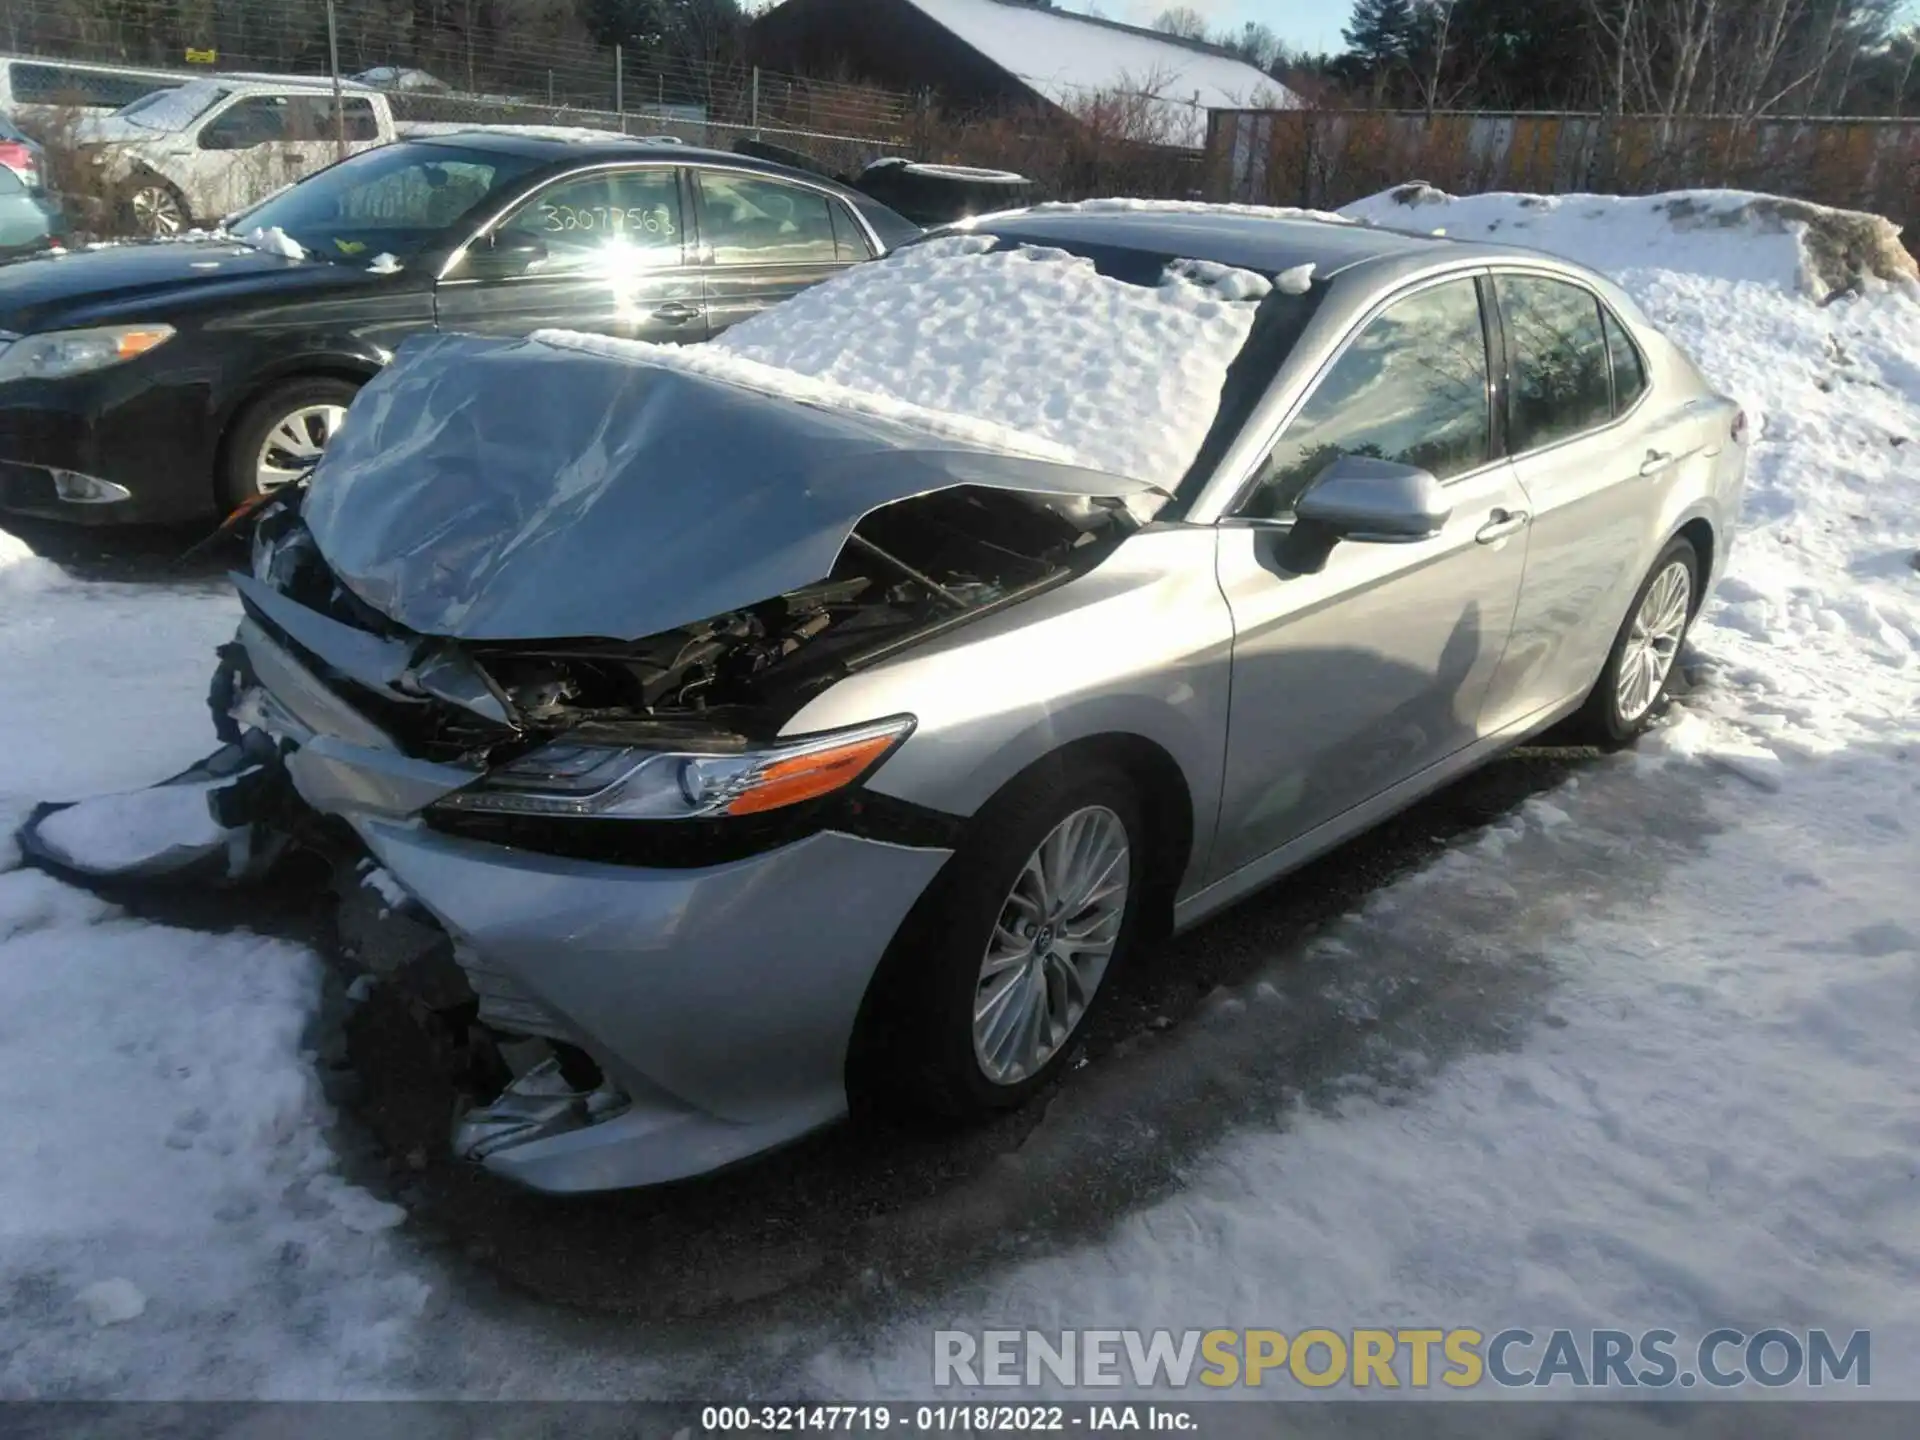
(1324, 158)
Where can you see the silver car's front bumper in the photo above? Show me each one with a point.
(719, 1001)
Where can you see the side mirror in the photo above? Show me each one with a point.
(1379, 501)
(505, 254)
(1360, 499)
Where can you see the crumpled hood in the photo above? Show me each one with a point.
(509, 490)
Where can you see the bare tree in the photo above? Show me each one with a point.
(1441, 20)
(1183, 21)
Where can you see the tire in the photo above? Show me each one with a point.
(915, 1052)
(935, 194)
(1609, 717)
(156, 209)
(783, 155)
(303, 402)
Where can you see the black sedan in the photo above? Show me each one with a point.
(173, 381)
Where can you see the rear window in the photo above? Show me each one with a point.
(1629, 373)
(37, 83)
(764, 222)
(1556, 359)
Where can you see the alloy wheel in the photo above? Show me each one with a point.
(1653, 641)
(1051, 944)
(295, 443)
(157, 211)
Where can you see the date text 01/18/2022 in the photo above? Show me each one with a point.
(948, 1418)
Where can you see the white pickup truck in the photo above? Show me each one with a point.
(182, 158)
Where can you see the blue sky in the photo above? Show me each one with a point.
(1310, 25)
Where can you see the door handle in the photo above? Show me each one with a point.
(1501, 524)
(1656, 461)
(674, 313)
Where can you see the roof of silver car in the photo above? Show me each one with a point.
(1249, 241)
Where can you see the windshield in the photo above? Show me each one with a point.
(398, 200)
(1124, 361)
(141, 104)
(173, 109)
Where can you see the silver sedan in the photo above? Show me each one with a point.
(779, 756)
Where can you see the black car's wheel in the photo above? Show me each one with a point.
(1633, 686)
(934, 194)
(156, 209)
(992, 978)
(280, 434)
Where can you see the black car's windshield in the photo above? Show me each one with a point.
(398, 200)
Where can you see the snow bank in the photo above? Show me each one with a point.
(1125, 378)
(21, 570)
(171, 1223)
(1726, 234)
(1119, 204)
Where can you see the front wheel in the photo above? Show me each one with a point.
(157, 210)
(279, 436)
(994, 975)
(1633, 686)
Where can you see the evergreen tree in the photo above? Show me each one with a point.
(1381, 32)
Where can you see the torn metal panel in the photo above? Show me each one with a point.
(505, 490)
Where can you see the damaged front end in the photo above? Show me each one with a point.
(512, 649)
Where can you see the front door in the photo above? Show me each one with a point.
(765, 240)
(602, 251)
(241, 156)
(1351, 680)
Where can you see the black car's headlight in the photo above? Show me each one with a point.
(57, 354)
(583, 781)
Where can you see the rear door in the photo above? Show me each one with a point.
(601, 250)
(764, 239)
(1592, 450)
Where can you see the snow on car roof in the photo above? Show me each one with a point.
(1112, 376)
(1071, 59)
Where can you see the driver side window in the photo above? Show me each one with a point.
(1411, 387)
(256, 120)
(618, 219)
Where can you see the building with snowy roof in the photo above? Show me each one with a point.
(1001, 53)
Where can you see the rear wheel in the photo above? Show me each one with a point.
(1633, 686)
(280, 435)
(991, 980)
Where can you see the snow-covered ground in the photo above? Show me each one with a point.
(1704, 1110)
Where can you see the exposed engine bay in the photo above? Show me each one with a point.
(909, 570)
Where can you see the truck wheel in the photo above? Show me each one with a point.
(156, 209)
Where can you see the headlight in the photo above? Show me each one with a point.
(74, 352)
(626, 783)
